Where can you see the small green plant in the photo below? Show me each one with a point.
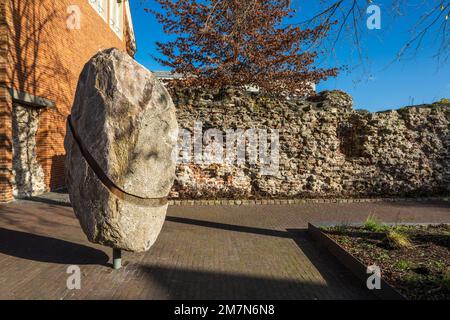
(372, 224)
(342, 228)
(383, 256)
(401, 228)
(403, 265)
(345, 240)
(439, 264)
(443, 101)
(397, 240)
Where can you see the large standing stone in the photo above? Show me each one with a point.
(125, 121)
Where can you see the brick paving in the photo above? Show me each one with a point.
(203, 252)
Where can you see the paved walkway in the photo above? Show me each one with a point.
(211, 252)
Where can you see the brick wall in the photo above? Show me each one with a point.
(5, 114)
(45, 60)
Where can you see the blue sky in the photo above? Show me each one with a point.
(378, 85)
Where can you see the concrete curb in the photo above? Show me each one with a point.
(227, 202)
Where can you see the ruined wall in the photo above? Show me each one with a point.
(326, 148)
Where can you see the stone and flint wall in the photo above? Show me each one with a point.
(326, 148)
(29, 179)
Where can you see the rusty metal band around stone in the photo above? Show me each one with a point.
(107, 182)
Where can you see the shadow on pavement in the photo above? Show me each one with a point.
(45, 249)
(340, 283)
(180, 283)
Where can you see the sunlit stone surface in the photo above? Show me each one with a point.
(126, 121)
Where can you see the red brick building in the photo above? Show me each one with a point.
(44, 45)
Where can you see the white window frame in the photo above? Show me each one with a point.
(116, 20)
(101, 7)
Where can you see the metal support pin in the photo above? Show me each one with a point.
(117, 258)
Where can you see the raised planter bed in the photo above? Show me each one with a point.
(420, 270)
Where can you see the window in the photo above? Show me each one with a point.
(116, 16)
(101, 7)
